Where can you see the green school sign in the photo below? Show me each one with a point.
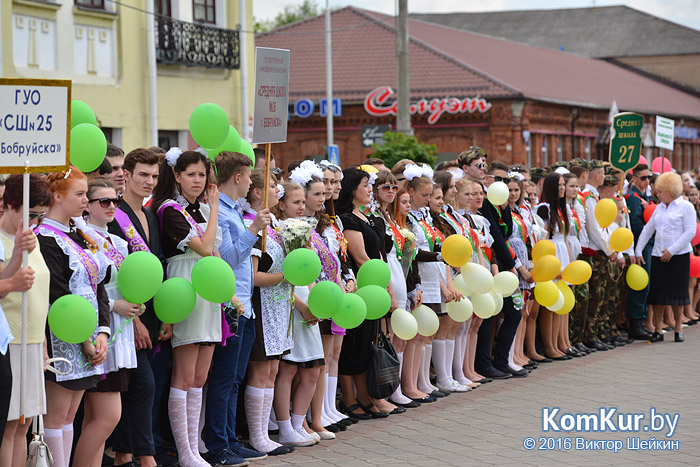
(626, 141)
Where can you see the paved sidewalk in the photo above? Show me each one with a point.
(488, 426)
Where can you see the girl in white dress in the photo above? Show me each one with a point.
(189, 233)
(553, 210)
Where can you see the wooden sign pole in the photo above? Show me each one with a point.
(268, 151)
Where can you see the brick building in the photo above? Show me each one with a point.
(523, 104)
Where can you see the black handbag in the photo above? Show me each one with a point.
(384, 375)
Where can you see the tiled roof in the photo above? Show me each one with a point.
(364, 58)
(452, 61)
(602, 32)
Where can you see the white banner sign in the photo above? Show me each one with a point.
(271, 95)
(664, 132)
(34, 125)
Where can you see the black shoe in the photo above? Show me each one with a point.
(530, 366)
(679, 337)
(574, 353)
(619, 341)
(425, 399)
(438, 394)
(484, 380)
(410, 405)
(515, 373)
(350, 411)
(647, 330)
(397, 410)
(544, 360)
(656, 337)
(340, 426)
(583, 349)
(333, 428)
(597, 345)
(368, 410)
(560, 358)
(347, 421)
(638, 331)
(494, 373)
(668, 328)
(281, 450)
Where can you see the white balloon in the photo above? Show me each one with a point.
(404, 324)
(505, 283)
(498, 193)
(428, 322)
(460, 311)
(484, 305)
(477, 278)
(460, 286)
(559, 304)
(498, 300)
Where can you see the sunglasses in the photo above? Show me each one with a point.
(105, 202)
(36, 215)
(387, 188)
(644, 178)
(277, 171)
(497, 178)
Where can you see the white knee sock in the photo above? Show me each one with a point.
(449, 356)
(398, 396)
(327, 414)
(511, 362)
(177, 412)
(265, 417)
(194, 410)
(459, 353)
(424, 371)
(254, 401)
(331, 390)
(438, 356)
(53, 437)
(67, 442)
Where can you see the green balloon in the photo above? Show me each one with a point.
(140, 276)
(247, 149)
(80, 112)
(88, 147)
(231, 144)
(325, 299)
(175, 300)
(378, 300)
(352, 311)
(301, 267)
(374, 272)
(209, 125)
(72, 319)
(213, 279)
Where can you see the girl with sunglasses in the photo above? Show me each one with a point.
(385, 189)
(104, 401)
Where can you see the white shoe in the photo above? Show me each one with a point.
(445, 386)
(295, 438)
(313, 435)
(458, 387)
(325, 435)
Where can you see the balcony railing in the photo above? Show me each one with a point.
(182, 43)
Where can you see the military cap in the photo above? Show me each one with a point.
(596, 164)
(611, 180)
(578, 162)
(538, 171)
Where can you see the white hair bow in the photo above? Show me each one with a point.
(202, 151)
(562, 170)
(428, 171)
(457, 173)
(516, 176)
(372, 178)
(280, 193)
(305, 172)
(412, 171)
(173, 155)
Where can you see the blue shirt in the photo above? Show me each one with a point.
(236, 249)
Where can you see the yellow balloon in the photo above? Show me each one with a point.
(543, 248)
(456, 250)
(498, 300)
(605, 212)
(477, 278)
(546, 268)
(484, 305)
(404, 324)
(428, 322)
(505, 283)
(370, 169)
(569, 298)
(546, 293)
(460, 286)
(577, 272)
(460, 311)
(558, 305)
(621, 239)
(637, 277)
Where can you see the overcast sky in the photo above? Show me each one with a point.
(686, 12)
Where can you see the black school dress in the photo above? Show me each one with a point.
(355, 354)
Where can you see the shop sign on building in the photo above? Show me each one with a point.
(377, 104)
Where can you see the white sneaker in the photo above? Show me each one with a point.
(314, 436)
(295, 438)
(325, 435)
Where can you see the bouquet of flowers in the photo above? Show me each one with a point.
(296, 232)
(408, 252)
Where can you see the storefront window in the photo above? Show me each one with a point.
(545, 159)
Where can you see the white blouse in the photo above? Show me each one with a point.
(674, 225)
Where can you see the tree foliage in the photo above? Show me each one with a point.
(290, 14)
(399, 146)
